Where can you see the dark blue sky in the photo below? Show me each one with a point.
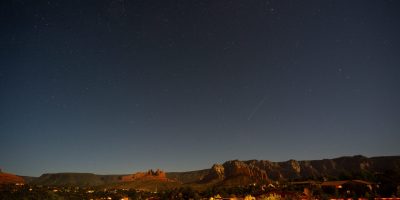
(120, 86)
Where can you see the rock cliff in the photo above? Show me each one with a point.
(237, 172)
(149, 175)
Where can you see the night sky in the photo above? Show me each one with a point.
(121, 86)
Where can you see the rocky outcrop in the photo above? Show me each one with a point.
(149, 175)
(249, 169)
(358, 167)
(217, 172)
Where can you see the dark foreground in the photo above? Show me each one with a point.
(295, 190)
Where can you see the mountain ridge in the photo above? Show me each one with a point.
(236, 173)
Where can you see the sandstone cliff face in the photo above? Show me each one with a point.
(251, 169)
(149, 175)
(261, 170)
(217, 172)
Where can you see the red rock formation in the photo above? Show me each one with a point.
(149, 175)
(6, 178)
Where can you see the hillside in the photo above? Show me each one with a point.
(188, 177)
(7, 178)
(76, 179)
